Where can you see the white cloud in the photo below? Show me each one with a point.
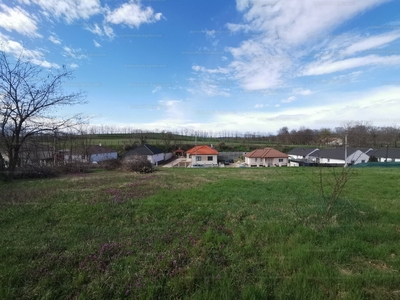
(210, 71)
(70, 10)
(208, 88)
(95, 29)
(156, 89)
(326, 67)
(371, 43)
(96, 44)
(370, 105)
(282, 32)
(73, 66)
(132, 14)
(108, 31)
(55, 40)
(73, 53)
(17, 50)
(173, 109)
(302, 92)
(288, 100)
(19, 20)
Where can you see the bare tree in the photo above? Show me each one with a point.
(167, 138)
(140, 136)
(29, 97)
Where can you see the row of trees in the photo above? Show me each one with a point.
(360, 134)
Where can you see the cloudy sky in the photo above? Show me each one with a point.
(249, 65)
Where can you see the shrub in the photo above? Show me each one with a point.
(32, 171)
(75, 167)
(112, 164)
(137, 163)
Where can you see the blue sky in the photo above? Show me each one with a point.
(218, 65)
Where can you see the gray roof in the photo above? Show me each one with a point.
(392, 153)
(145, 150)
(338, 153)
(301, 151)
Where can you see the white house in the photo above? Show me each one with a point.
(384, 154)
(336, 157)
(90, 154)
(153, 154)
(202, 155)
(305, 154)
(267, 157)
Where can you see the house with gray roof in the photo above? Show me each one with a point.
(91, 153)
(384, 154)
(336, 157)
(302, 154)
(153, 154)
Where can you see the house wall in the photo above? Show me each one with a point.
(296, 157)
(204, 160)
(75, 158)
(358, 157)
(93, 157)
(252, 161)
(382, 159)
(324, 160)
(103, 156)
(155, 158)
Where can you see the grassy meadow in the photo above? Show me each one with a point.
(227, 233)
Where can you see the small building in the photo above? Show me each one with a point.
(89, 154)
(386, 155)
(153, 154)
(202, 155)
(305, 154)
(267, 157)
(337, 157)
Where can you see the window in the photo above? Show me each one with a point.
(363, 161)
(329, 159)
(209, 158)
(281, 160)
(198, 158)
(255, 159)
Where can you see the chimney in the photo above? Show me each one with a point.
(212, 146)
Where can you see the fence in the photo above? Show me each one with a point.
(230, 155)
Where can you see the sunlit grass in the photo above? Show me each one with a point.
(199, 234)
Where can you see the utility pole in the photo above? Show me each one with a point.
(345, 150)
(387, 152)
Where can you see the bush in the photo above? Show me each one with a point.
(137, 163)
(31, 171)
(76, 167)
(112, 164)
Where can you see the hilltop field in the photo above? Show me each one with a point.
(223, 233)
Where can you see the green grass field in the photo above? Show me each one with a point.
(200, 234)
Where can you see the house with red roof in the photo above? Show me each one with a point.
(267, 157)
(202, 155)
